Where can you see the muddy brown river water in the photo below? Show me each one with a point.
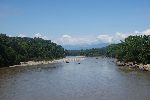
(92, 79)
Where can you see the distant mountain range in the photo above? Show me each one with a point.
(86, 46)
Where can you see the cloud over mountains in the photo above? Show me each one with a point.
(102, 38)
(88, 40)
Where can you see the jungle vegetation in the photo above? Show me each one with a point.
(132, 49)
(14, 50)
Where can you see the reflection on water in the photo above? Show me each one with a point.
(92, 79)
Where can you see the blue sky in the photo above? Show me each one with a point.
(75, 21)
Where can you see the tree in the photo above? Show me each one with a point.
(14, 50)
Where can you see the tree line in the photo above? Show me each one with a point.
(14, 50)
(132, 49)
(93, 52)
(72, 52)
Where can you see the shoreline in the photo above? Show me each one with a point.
(32, 63)
(131, 65)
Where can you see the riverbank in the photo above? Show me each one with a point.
(67, 59)
(131, 65)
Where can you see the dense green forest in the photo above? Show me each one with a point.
(132, 49)
(14, 50)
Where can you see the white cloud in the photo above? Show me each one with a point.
(105, 38)
(66, 36)
(10, 35)
(37, 35)
(69, 40)
(102, 38)
(86, 40)
(119, 36)
(136, 32)
(21, 35)
(41, 36)
(146, 32)
(45, 37)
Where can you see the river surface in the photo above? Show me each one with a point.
(92, 79)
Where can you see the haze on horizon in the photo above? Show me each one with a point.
(75, 22)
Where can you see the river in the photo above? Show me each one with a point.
(92, 79)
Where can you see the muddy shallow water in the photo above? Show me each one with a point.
(92, 79)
